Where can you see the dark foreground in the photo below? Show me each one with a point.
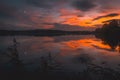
(50, 70)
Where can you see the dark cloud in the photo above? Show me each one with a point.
(14, 3)
(108, 15)
(110, 20)
(43, 3)
(67, 27)
(84, 5)
(3, 14)
(6, 11)
(107, 5)
(38, 3)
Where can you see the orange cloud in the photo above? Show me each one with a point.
(75, 20)
(86, 21)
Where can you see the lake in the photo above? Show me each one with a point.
(65, 49)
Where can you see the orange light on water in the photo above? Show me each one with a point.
(86, 43)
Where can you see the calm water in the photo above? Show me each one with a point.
(65, 49)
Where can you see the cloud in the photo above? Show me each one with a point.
(43, 3)
(101, 6)
(108, 15)
(38, 3)
(107, 5)
(14, 26)
(6, 11)
(67, 27)
(110, 20)
(84, 5)
(14, 3)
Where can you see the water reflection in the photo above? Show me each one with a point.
(112, 40)
(33, 47)
(74, 53)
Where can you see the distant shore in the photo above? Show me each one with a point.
(42, 32)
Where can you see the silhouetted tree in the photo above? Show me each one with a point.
(110, 27)
(109, 33)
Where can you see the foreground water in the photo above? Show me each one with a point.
(65, 49)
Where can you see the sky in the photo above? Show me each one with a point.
(69, 15)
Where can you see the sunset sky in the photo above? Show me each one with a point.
(57, 14)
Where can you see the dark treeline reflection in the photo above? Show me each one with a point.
(112, 40)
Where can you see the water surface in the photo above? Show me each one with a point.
(65, 49)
